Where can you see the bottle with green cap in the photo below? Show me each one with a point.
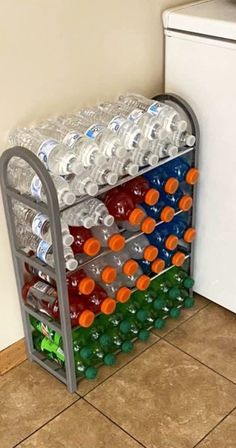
(109, 321)
(179, 277)
(143, 298)
(181, 296)
(127, 309)
(89, 372)
(114, 340)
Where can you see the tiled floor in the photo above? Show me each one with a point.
(177, 391)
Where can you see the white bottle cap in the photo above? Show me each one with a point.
(172, 150)
(182, 125)
(120, 152)
(88, 222)
(108, 220)
(190, 140)
(91, 188)
(68, 197)
(71, 264)
(132, 169)
(67, 239)
(153, 159)
(111, 178)
(99, 160)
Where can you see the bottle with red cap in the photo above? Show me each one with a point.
(43, 297)
(182, 170)
(181, 228)
(160, 211)
(109, 237)
(178, 201)
(99, 270)
(160, 179)
(84, 242)
(140, 247)
(138, 280)
(98, 301)
(141, 191)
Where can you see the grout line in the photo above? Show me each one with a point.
(198, 360)
(46, 423)
(114, 423)
(214, 427)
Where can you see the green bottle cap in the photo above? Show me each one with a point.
(174, 293)
(109, 359)
(144, 335)
(188, 282)
(127, 347)
(159, 323)
(189, 302)
(124, 326)
(86, 353)
(105, 340)
(158, 304)
(175, 312)
(91, 373)
(142, 315)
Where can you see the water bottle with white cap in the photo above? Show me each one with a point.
(77, 216)
(83, 184)
(124, 167)
(181, 139)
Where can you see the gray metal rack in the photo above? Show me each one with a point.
(58, 273)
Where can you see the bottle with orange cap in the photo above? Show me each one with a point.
(117, 290)
(98, 301)
(141, 191)
(160, 211)
(122, 261)
(138, 280)
(84, 242)
(100, 271)
(182, 170)
(181, 228)
(178, 201)
(140, 248)
(175, 257)
(161, 236)
(78, 281)
(161, 180)
(109, 237)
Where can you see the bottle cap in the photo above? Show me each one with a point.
(86, 286)
(158, 304)
(105, 340)
(185, 203)
(142, 315)
(69, 197)
(127, 347)
(192, 176)
(150, 253)
(123, 294)
(111, 178)
(71, 264)
(108, 220)
(153, 159)
(116, 242)
(136, 216)
(158, 265)
(108, 306)
(91, 373)
(171, 242)
(86, 353)
(167, 214)
(175, 312)
(86, 318)
(143, 282)
(108, 274)
(91, 188)
(67, 239)
(190, 235)
(171, 185)
(159, 323)
(144, 335)
(109, 359)
(189, 302)
(130, 267)
(190, 140)
(173, 293)
(178, 258)
(148, 225)
(92, 246)
(124, 326)
(152, 196)
(182, 125)
(88, 222)
(132, 169)
(188, 282)
(172, 150)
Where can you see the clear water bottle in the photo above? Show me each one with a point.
(122, 262)
(39, 224)
(23, 178)
(142, 157)
(109, 237)
(77, 216)
(140, 248)
(55, 156)
(83, 184)
(103, 175)
(100, 271)
(168, 117)
(162, 149)
(86, 151)
(124, 167)
(181, 139)
(98, 212)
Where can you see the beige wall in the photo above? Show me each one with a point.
(58, 54)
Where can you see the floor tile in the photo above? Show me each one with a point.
(29, 397)
(223, 435)
(81, 426)
(165, 398)
(210, 336)
(122, 359)
(171, 324)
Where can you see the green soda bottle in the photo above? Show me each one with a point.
(179, 277)
(133, 329)
(143, 298)
(109, 321)
(114, 340)
(94, 354)
(127, 309)
(42, 328)
(180, 296)
(84, 368)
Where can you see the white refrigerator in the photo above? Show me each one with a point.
(200, 66)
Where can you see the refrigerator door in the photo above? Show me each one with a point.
(203, 71)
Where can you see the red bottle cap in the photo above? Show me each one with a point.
(86, 286)
(108, 306)
(150, 253)
(86, 318)
(148, 225)
(130, 267)
(178, 259)
(92, 246)
(192, 176)
(152, 196)
(171, 242)
(108, 274)
(123, 294)
(171, 185)
(136, 216)
(190, 235)
(116, 242)
(143, 282)
(158, 265)
(167, 214)
(185, 203)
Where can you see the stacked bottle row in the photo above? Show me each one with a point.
(97, 146)
(99, 343)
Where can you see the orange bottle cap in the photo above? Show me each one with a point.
(86, 318)
(108, 274)
(190, 235)
(116, 242)
(148, 225)
(185, 203)
(167, 214)
(158, 265)
(152, 196)
(171, 242)
(136, 216)
(150, 253)
(108, 306)
(86, 286)
(92, 246)
(178, 259)
(143, 282)
(123, 294)
(171, 185)
(130, 267)
(192, 176)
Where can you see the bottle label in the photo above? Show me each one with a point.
(43, 276)
(71, 138)
(94, 131)
(116, 123)
(45, 150)
(42, 250)
(45, 330)
(36, 187)
(154, 107)
(60, 354)
(42, 292)
(38, 223)
(135, 115)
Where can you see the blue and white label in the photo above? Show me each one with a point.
(94, 131)
(38, 223)
(116, 123)
(135, 115)
(42, 250)
(71, 138)
(45, 150)
(154, 108)
(36, 187)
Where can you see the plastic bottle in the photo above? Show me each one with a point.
(179, 277)
(140, 247)
(176, 257)
(141, 191)
(180, 227)
(182, 170)
(180, 296)
(117, 290)
(181, 139)
(113, 340)
(77, 216)
(161, 236)
(93, 354)
(98, 301)
(43, 298)
(42, 328)
(83, 184)
(100, 271)
(123, 167)
(84, 242)
(143, 157)
(137, 280)
(160, 211)
(48, 347)
(122, 262)
(55, 156)
(98, 212)
(109, 237)
(160, 179)
(178, 201)
(163, 149)
(23, 178)
(103, 175)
